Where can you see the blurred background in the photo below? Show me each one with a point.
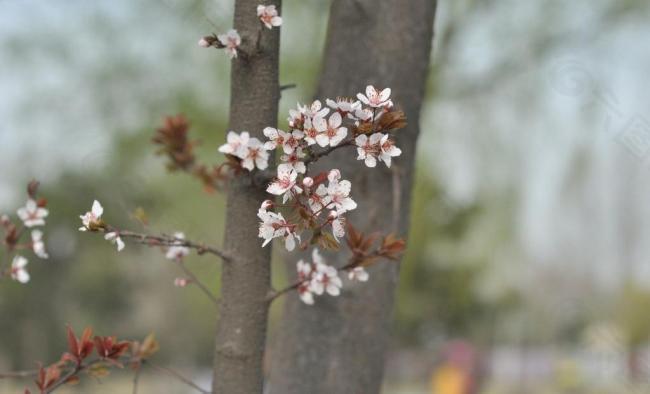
(527, 266)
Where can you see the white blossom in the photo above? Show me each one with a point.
(115, 238)
(273, 225)
(235, 144)
(376, 99)
(177, 251)
(293, 162)
(18, 271)
(338, 227)
(358, 273)
(304, 276)
(310, 129)
(339, 192)
(368, 148)
(38, 246)
(93, 217)
(345, 106)
(326, 278)
(230, 41)
(269, 15)
(255, 155)
(31, 214)
(203, 43)
(330, 133)
(388, 150)
(314, 110)
(284, 184)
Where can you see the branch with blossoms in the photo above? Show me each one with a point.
(95, 356)
(316, 204)
(231, 41)
(176, 247)
(31, 217)
(317, 277)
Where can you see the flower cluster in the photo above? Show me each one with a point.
(32, 215)
(230, 42)
(317, 278)
(269, 16)
(252, 153)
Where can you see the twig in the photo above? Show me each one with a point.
(287, 86)
(162, 240)
(136, 380)
(314, 156)
(178, 376)
(197, 282)
(18, 374)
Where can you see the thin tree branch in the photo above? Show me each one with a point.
(197, 282)
(314, 156)
(178, 376)
(165, 240)
(18, 374)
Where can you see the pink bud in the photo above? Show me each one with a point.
(4, 219)
(333, 215)
(267, 204)
(308, 181)
(181, 282)
(203, 43)
(334, 175)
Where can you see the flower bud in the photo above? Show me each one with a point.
(267, 204)
(4, 220)
(308, 181)
(207, 41)
(334, 175)
(333, 215)
(181, 282)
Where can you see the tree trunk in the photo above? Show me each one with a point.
(241, 331)
(338, 344)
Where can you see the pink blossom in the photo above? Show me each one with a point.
(177, 251)
(181, 282)
(269, 15)
(345, 106)
(31, 214)
(368, 149)
(92, 218)
(293, 162)
(358, 273)
(114, 238)
(203, 43)
(326, 279)
(304, 276)
(376, 99)
(314, 110)
(273, 225)
(339, 192)
(236, 144)
(38, 246)
(255, 155)
(230, 41)
(284, 184)
(330, 133)
(18, 271)
(388, 150)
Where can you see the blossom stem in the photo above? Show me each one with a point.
(314, 156)
(196, 281)
(164, 240)
(176, 375)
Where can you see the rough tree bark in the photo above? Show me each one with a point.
(338, 345)
(241, 331)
